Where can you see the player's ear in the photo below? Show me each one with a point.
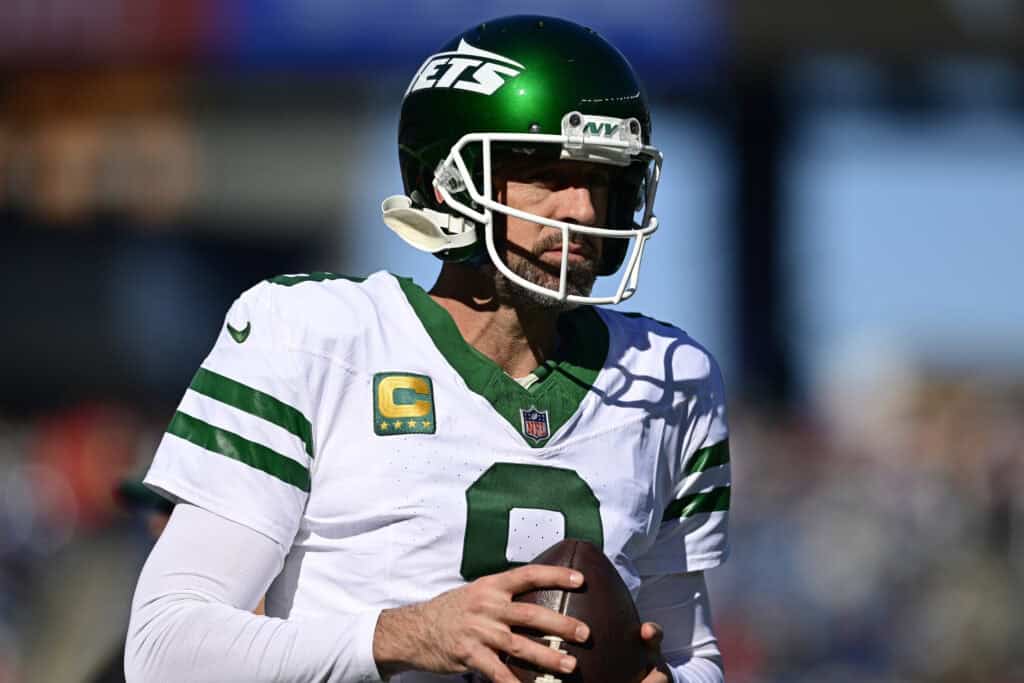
(438, 197)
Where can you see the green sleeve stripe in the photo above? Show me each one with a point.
(319, 276)
(709, 457)
(233, 446)
(715, 500)
(254, 402)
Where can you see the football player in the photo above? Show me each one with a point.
(384, 461)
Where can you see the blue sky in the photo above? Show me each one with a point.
(909, 237)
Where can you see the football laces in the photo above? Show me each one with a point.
(554, 642)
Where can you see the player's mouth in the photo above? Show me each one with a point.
(577, 252)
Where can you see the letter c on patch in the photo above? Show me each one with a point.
(403, 396)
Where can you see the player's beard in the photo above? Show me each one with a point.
(580, 278)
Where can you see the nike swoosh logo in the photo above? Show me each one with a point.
(240, 335)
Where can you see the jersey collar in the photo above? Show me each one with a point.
(564, 381)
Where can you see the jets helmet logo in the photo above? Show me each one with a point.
(467, 68)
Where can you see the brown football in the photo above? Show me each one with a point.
(614, 653)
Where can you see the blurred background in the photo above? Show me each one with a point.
(841, 204)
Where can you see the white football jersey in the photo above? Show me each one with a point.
(350, 422)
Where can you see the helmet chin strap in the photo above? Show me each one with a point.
(425, 229)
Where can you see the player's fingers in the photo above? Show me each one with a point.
(652, 633)
(527, 650)
(487, 662)
(532, 576)
(546, 621)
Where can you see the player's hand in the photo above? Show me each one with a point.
(468, 628)
(652, 635)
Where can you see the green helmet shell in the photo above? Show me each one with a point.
(538, 70)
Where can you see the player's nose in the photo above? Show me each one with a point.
(575, 205)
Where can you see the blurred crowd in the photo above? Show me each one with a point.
(69, 552)
(876, 537)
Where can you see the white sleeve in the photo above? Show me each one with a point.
(694, 530)
(191, 615)
(679, 604)
(241, 441)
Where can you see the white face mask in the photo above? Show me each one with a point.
(595, 139)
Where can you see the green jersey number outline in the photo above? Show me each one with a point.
(504, 486)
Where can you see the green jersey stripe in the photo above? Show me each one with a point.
(254, 402)
(319, 276)
(709, 457)
(233, 446)
(715, 500)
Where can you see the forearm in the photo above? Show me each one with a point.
(211, 642)
(679, 603)
(191, 619)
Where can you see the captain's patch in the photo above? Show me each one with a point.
(403, 403)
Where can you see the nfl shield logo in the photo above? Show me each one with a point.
(535, 423)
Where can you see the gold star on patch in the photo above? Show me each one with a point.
(425, 423)
(411, 424)
(398, 424)
(384, 424)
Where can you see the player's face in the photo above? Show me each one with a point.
(570, 191)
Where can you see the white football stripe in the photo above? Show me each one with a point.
(705, 481)
(244, 424)
(242, 493)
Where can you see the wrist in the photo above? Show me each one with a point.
(396, 639)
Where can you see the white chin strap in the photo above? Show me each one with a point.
(596, 139)
(425, 229)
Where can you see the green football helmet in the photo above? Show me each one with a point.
(527, 85)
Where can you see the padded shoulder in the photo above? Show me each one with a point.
(325, 312)
(659, 345)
